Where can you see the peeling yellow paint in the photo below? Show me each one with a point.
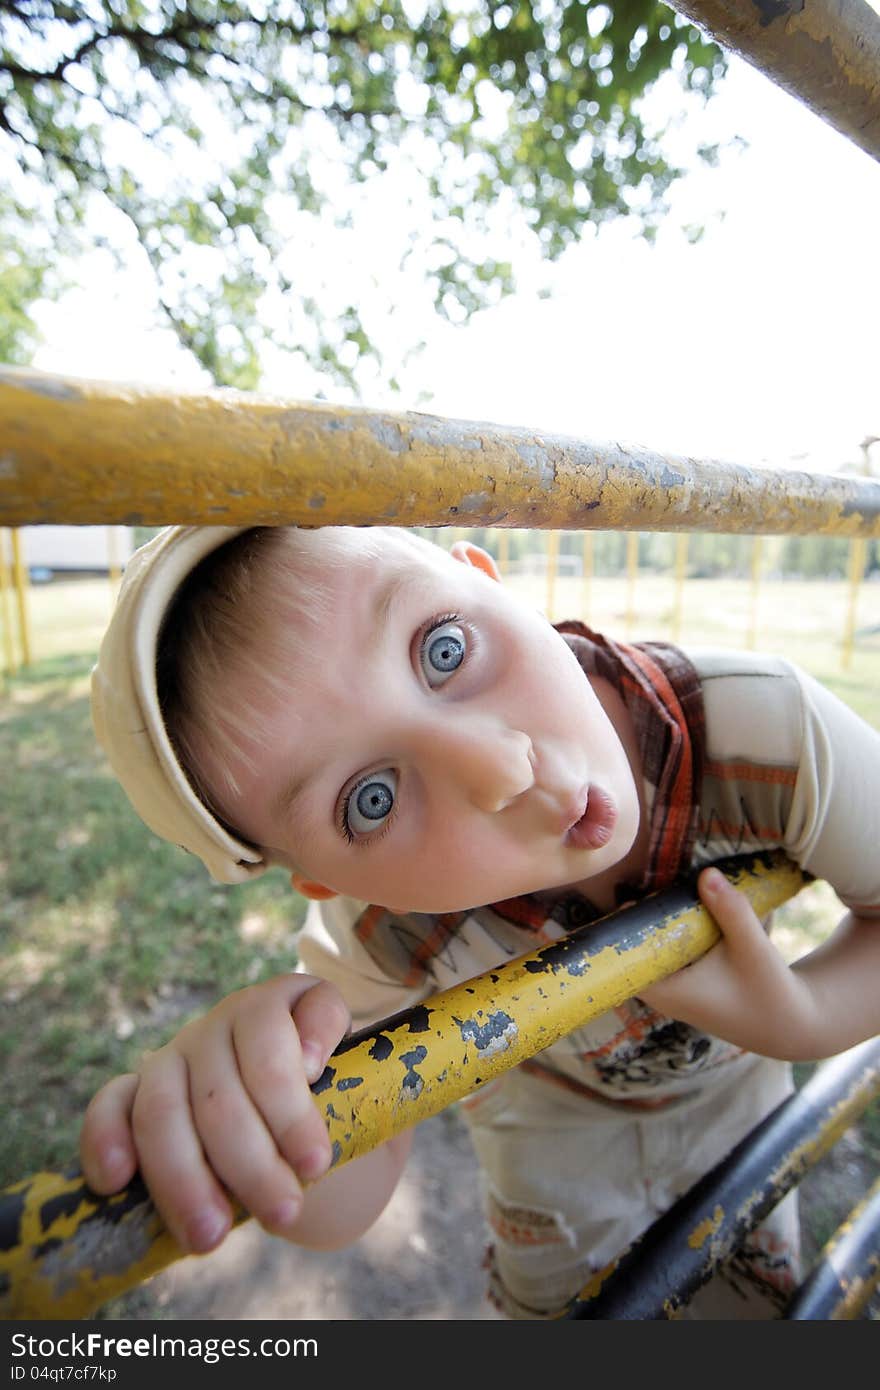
(65, 1267)
(857, 1274)
(595, 1282)
(668, 1262)
(83, 452)
(705, 1229)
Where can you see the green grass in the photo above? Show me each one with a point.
(110, 939)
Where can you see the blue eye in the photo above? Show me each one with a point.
(371, 802)
(443, 651)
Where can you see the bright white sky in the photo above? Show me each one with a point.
(761, 342)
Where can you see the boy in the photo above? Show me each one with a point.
(454, 782)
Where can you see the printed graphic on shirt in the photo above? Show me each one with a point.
(667, 1049)
(766, 1265)
(634, 1052)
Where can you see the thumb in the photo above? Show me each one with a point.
(106, 1148)
(740, 926)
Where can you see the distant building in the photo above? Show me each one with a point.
(58, 550)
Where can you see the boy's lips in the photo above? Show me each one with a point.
(596, 823)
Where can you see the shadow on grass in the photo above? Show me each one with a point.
(67, 666)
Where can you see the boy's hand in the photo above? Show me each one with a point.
(224, 1110)
(741, 990)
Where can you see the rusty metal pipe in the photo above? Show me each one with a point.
(824, 52)
(84, 453)
(661, 1271)
(848, 1270)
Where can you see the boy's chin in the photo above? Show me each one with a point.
(600, 861)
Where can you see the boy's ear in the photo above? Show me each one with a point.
(310, 889)
(471, 554)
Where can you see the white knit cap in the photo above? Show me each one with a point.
(125, 704)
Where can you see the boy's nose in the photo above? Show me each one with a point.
(492, 764)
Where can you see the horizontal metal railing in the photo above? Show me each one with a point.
(847, 1272)
(92, 453)
(661, 1271)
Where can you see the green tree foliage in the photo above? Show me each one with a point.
(22, 280)
(227, 135)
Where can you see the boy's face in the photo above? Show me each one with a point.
(437, 746)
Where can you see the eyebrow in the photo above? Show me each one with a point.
(380, 613)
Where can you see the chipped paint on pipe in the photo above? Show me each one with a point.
(661, 1271)
(709, 1226)
(64, 1251)
(22, 584)
(824, 52)
(848, 1269)
(472, 1033)
(90, 453)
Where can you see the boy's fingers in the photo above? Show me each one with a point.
(234, 1135)
(322, 1018)
(270, 1061)
(742, 928)
(106, 1148)
(188, 1196)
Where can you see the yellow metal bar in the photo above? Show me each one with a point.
(757, 557)
(681, 549)
(114, 565)
(632, 569)
(857, 553)
(552, 566)
(474, 1033)
(21, 588)
(658, 1274)
(847, 1273)
(10, 662)
(588, 566)
(504, 552)
(64, 1251)
(824, 52)
(80, 453)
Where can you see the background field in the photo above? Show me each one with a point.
(110, 940)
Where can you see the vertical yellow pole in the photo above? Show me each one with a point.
(114, 566)
(681, 550)
(632, 566)
(9, 661)
(757, 551)
(504, 551)
(857, 553)
(21, 586)
(552, 560)
(587, 576)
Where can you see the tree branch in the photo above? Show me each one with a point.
(183, 31)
